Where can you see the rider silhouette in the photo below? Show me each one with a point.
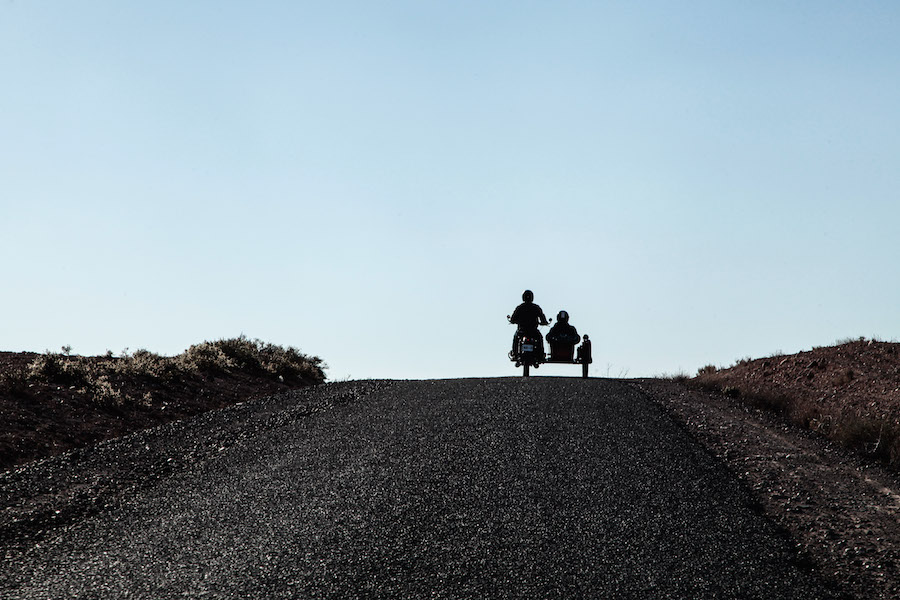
(528, 316)
(562, 338)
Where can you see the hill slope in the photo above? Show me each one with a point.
(50, 403)
(849, 392)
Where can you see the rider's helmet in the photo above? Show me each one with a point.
(562, 317)
(528, 296)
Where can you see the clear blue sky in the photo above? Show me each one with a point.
(376, 183)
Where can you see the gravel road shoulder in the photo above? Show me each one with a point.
(842, 512)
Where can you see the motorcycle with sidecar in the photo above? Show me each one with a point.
(529, 352)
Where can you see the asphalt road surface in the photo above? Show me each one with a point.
(478, 488)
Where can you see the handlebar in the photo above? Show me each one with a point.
(509, 318)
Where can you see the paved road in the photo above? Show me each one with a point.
(500, 488)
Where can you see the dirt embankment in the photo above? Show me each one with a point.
(51, 403)
(815, 435)
(850, 393)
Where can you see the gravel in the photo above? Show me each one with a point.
(506, 488)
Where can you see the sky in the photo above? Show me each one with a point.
(376, 183)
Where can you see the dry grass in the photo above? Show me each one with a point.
(241, 354)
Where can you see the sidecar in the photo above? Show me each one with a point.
(567, 354)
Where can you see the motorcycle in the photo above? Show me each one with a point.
(529, 351)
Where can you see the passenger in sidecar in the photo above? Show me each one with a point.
(562, 339)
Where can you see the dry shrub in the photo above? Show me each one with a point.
(253, 356)
(144, 363)
(63, 370)
(206, 357)
(289, 363)
(244, 353)
(680, 377)
(875, 437)
(14, 382)
(46, 367)
(103, 393)
(772, 401)
(735, 392)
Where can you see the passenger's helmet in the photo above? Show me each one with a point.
(528, 296)
(562, 317)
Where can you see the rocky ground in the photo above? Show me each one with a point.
(811, 434)
(467, 488)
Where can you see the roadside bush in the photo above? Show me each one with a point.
(104, 394)
(143, 363)
(877, 438)
(207, 357)
(46, 366)
(289, 363)
(244, 353)
(253, 356)
(63, 370)
(680, 377)
(731, 391)
(14, 382)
